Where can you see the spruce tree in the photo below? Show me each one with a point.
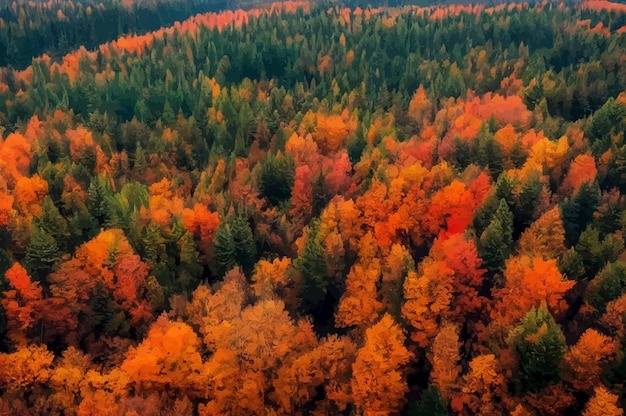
(245, 247)
(223, 251)
(496, 241)
(539, 344)
(42, 253)
(312, 265)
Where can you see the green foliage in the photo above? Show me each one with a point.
(53, 222)
(42, 253)
(578, 211)
(312, 265)
(540, 345)
(608, 286)
(277, 177)
(98, 194)
(223, 251)
(595, 253)
(430, 404)
(245, 247)
(496, 241)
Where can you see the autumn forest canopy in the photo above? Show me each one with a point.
(312, 209)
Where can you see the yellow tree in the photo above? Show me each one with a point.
(603, 403)
(378, 385)
(585, 361)
(444, 356)
(545, 238)
(168, 357)
(427, 299)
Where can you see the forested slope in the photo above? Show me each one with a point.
(319, 210)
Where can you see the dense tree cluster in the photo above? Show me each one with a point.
(301, 209)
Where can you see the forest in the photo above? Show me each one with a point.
(307, 208)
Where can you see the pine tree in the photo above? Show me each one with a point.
(277, 176)
(577, 212)
(312, 265)
(223, 251)
(496, 241)
(245, 247)
(53, 222)
(540, 345)
(42, 253)
(430, 404)
(97, 194)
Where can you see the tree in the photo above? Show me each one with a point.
(578, 211)
(603, 403)
(245, 246)
(607, 286)
(545, 238)
(377, 381)
(495, 242)
(277, 176)
(585, 362)
(312, 266)
(430, 404)
(444, 357)
(42, 253)
(223, 251)
(22, 302)
(168, 357)
(539, 345)
(528, 284)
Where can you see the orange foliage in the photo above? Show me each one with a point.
(79, 139)
(420, 107)
(168, 357)
(483, 384)
(359, 304)
(444, 357)
(6, 204)
(507, 137)
(269, 277)
(163, 204)
(461, 256)
(25, 367)
(378, 386)
(584, 361)
(582, 169)
(245, 351)
(29, 193)
(107, 260)
(203, 224)
(427, 300)
(603, 403)
(15, 155)
(529, 282)
(23, 303)
(545, 238)
(328, 365)
(331, 131)
(600, 5)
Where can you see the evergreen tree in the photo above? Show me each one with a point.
(312, 265)
(97, 195)
(540, 345)
(496, 241)
(53, 222)
(577, 212)
(223, 251)
(245, 247)
(42, 253)
(277, 177)
(430, 404)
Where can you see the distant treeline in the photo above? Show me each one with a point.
(30, 29)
